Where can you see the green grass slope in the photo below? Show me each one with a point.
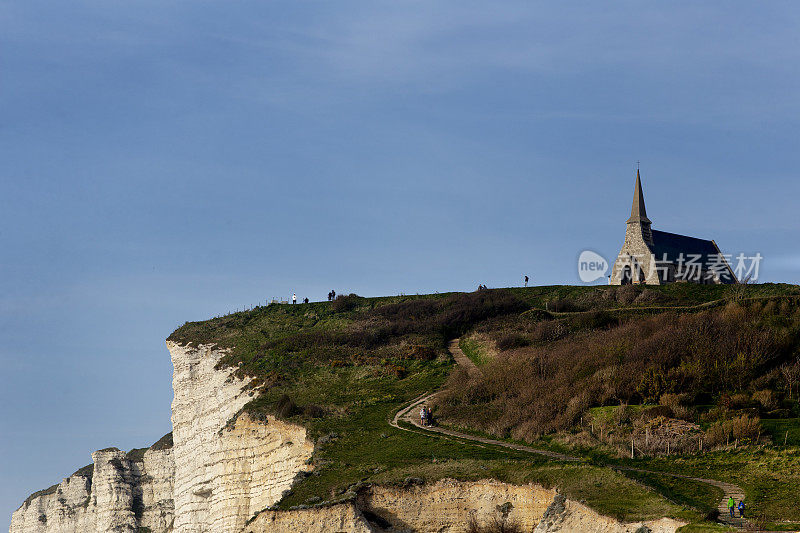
(343, 368)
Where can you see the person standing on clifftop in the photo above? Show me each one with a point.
(526, 281)
(294, 298)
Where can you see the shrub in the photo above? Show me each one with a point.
(593, 320)
(497, 525)
(622, 415)
(511, 341)
(735, 401)
(766, 398)
(626, 294)
(396, 370)
(549, 331)
(744, 428)
(285, 407)
(421, 352)
(656, 411)
(346, 303)
(649, 296)
(314, 411)
(681, 358)
(674, 400)
(565, 305)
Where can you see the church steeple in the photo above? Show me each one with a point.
(638, 211)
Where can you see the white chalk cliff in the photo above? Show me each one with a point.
(118, 492)
(222, 471)
(224, 475)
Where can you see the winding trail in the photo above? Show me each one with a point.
(410, 415)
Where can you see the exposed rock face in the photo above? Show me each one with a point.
(223, 475)
(448, 507)
(217, 478)
(118, 492)
(340, 518)
(566, 515)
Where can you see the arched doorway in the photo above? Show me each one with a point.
(627, 275)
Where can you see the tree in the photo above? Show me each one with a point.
(791, 374)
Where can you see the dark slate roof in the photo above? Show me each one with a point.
(673, 245)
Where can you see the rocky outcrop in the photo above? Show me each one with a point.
(449, 506)
(339, 518)
(566, 515)
(225, 467)
(225, 472)
(117, 492)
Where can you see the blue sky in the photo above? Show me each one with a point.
(172, 161)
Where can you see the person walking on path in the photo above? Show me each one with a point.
(294, 298)
(731, 506)
(422, 416)
(741, 509)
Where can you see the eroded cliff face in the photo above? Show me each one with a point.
(215, 478)
(448, 506)
(224, 475)
(120, 492)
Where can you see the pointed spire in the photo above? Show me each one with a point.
(638, 211)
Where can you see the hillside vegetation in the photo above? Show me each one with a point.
(679, 369)
(554, 369)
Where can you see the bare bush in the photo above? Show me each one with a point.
(346, 303)
(497, 525)
(285, 407)
(674, 400)
(678, 357)
(511, 341)
(766, 399)
(744, 429)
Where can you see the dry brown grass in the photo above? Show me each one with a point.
(695, 357)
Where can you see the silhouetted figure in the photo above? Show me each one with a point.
(294, 298)
(333, 295)
(305, 300)
(526, 281)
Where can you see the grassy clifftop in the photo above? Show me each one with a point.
(556, 360)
